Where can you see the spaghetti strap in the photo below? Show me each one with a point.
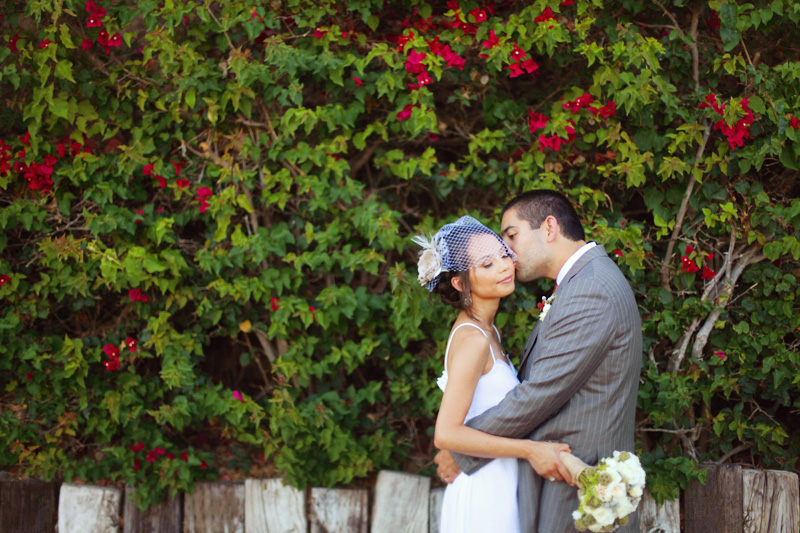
(447, 349)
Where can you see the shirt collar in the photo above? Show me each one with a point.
(572, 260)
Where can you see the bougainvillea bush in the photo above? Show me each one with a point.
(206, 211)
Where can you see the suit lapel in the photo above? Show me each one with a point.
(593, 253)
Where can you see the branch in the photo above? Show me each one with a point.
(682, 211)
(739, 448)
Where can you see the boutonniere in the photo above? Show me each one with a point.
(544, 305)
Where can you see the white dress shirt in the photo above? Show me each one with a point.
(572, 260)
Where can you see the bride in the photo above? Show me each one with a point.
(471, 268)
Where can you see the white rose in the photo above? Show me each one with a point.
(576, 515)
(615, 477)
(617, 490)
(628, 473)
(624, 508)
(636, 491)
(603, 516)
(602, 493)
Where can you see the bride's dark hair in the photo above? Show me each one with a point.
(450, 295)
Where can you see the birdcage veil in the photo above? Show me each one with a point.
(457, 247)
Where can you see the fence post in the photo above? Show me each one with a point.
(214, 507)
(339, 510)
(401, 503)
(771, 501)
(166, 517)
(717, 505)
(28, 506)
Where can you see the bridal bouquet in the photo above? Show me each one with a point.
(608, 492)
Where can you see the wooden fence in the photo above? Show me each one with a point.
(732, 501)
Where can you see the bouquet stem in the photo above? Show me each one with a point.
(574, 465)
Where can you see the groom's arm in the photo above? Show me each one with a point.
(575, 344)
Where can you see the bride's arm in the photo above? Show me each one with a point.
(469, 351)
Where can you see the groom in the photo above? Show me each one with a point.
(579, 370)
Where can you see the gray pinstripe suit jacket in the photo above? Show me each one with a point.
(579, 376)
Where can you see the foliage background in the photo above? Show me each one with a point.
(232, 186)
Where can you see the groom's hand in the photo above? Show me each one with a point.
(447, 469)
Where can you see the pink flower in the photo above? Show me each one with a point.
(536, 121)
(115, 40)
(358, 81)
(137, 295)
(94, 22)
(162, 181)
(159, 451)
(182, 183)
(238, 396)
(607, 111)
(204, 192)
(405, 113)
(554, 142)
(579, 103)
(91, 7)
(424, 79)
(151, 457)
(515, 70)
(617, 252)
(414, 63)
(517, 53)
(566, 3)
(492, 41)
(721, 354)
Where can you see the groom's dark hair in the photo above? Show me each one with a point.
(535, 206)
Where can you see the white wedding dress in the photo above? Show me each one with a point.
(485, 501)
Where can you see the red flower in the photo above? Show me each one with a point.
(607, 111)
(711, 101)
(319, 33)
(21, 154)
(540, 305)
(102, 39)
(203, 464)
(453, 5)
(689, 249)
(204, 192)
(12, 43)
(172, 455)
(94, 22)
(116, 40)
(28, 375)
(546, 15)
(721, 354)
(4, 279)
(25, 139)
(238, 396)
(794, 122)
(183, 183)
(688, 266)
(478, 14)
(554, 142)
(137, 295)
(178, 167)
(579, 103)
(131, 342)
(162, 181)
(515, 70)
(405, 113)
(413, 63)
(44, 44)
(274, 302)
(91, 7)
(159, 451)
(358, 81)
(111, 351)
(618, 252)
(50, 161)
(517, 53)
(492, 41)
(707, 273)
(148, 169)
(529, 65)
(566, 3)
(136, 465)
(137, 447)
(185, 457)
(403, 40)
(424, 79)
(151, 457)
(536, 121)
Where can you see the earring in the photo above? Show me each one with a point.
(467, 301)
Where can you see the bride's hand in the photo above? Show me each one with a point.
(544, 458)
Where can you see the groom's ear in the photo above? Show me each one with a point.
(551, 228)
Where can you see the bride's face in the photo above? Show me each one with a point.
(493, 273)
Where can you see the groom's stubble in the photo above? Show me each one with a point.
(534, 257)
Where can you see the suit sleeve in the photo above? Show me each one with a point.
(575, 343)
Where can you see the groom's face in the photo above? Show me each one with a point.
(527, 243)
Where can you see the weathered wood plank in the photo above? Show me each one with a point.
(401, 503)
(214, 508)
(717, 505)
(28, 506)
(653, 518)
(339, 511)
(272, 507)
(437, 497)
(89, 508)
(771, 501)
(166, 517)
